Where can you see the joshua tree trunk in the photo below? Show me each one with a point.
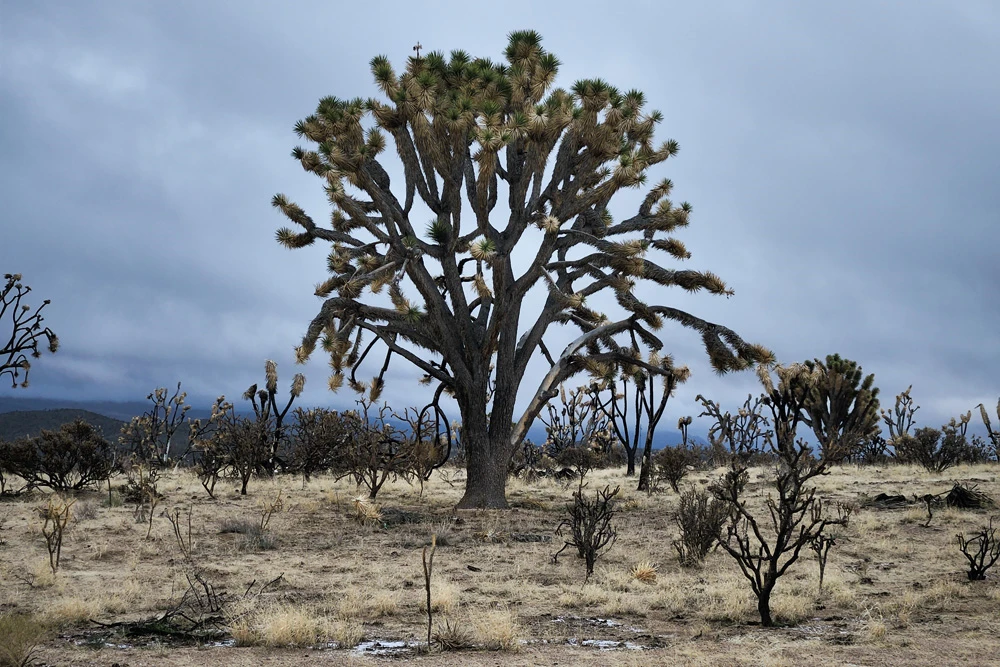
(487, 446)
(647, 461)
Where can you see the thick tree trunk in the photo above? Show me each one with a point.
(486, 480)
(486, 465)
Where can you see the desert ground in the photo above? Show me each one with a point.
(336, 580)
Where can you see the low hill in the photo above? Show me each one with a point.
(21, 423)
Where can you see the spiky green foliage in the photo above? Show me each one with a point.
(842, 407)
(465, 129)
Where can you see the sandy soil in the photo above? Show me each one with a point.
(895, 591)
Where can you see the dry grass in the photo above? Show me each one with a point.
(890, 582)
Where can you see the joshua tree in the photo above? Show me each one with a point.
(472, 133)
(766, 543)
(265, 407)
(26, 331)
(900, 420)
(842, 408)
(994, 435)
(150, 437)
(740, 435)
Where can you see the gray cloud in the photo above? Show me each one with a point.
(840, 160)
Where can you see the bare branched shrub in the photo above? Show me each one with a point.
(269, 507)
(26, 331)
(982, 550)
(821, 547)
(700, 519)
(244, 445)
(672, 464)
(182, 531)
(376, 450)
(590, 526)
(141, 478)
(935, 450)
(317, 438)
(55, 517)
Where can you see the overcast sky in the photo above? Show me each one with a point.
(842, 160)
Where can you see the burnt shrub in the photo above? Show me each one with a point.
(700, 519)
(672, 464)
(75, 456)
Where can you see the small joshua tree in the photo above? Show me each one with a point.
(741, 435)
(265, 407)
(150, 437)
(765, 545)
(900, 420)
(26, 331)
(842, 407)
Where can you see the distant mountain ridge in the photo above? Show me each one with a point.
(29, 423)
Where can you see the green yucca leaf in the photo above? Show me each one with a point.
(635, 97)
(426, 79)
(490, 108)
(483, 249)
(549, 62)
(437, 230)
(435, 60)
(686, 207)
(382, 69)
(413, 314)
(458, 56)
(376, 140)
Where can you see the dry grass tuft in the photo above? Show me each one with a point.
(496, 630)
(645, 572)
(279, 625)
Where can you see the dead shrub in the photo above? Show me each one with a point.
(590, 525)
(672, 464)
(700, 519)
(982, 550)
